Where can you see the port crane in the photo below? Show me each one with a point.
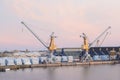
(51, 46)
(86, 57)
(86, 45)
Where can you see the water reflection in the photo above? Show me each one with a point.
(93, 72)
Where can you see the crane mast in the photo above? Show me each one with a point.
(86, 44)
(52, 45)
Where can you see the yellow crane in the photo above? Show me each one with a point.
(86, 45)
(86, 57)
(52, 45)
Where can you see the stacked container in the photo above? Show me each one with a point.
(18, 61)
(70, 58)
(34, 60)
(64, 59)
(43, 59)
(10, 61)
(2, 61)
(104, 57)
(26, 61)
(96, 58)
(57, 59)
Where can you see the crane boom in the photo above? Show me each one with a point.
(99, 36)
(104, 39)
(34, 34)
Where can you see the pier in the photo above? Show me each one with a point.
(15, 67)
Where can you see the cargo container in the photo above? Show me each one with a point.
(10, 61)
(2, 61)
(70, 59)
(26, 61)
(34, 60)
(18, 61)
(64, 59)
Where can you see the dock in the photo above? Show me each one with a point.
(15, 67)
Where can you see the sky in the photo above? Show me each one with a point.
(68, 19)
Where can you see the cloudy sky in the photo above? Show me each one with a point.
(67, 18)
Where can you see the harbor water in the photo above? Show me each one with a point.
(83, 72)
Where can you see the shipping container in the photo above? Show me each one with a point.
(96, 58)
(104, 57)
(26, 61)
(34, 60)
(43, 59)
(70, 58)
(10, 61)
(64, 59)
(57, 59)
(18, 61)
(2, 61)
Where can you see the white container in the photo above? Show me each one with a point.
(96, 57)
(18, 61)
(104, 57)
(26, 61)
(64, 59)
(2, 61)
(34, 60)
(10, 61)
(43, 59)
(70, 59)
(57, 59)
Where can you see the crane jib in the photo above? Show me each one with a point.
(34, 34)
(99, 36)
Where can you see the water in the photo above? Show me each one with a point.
(93, 72)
